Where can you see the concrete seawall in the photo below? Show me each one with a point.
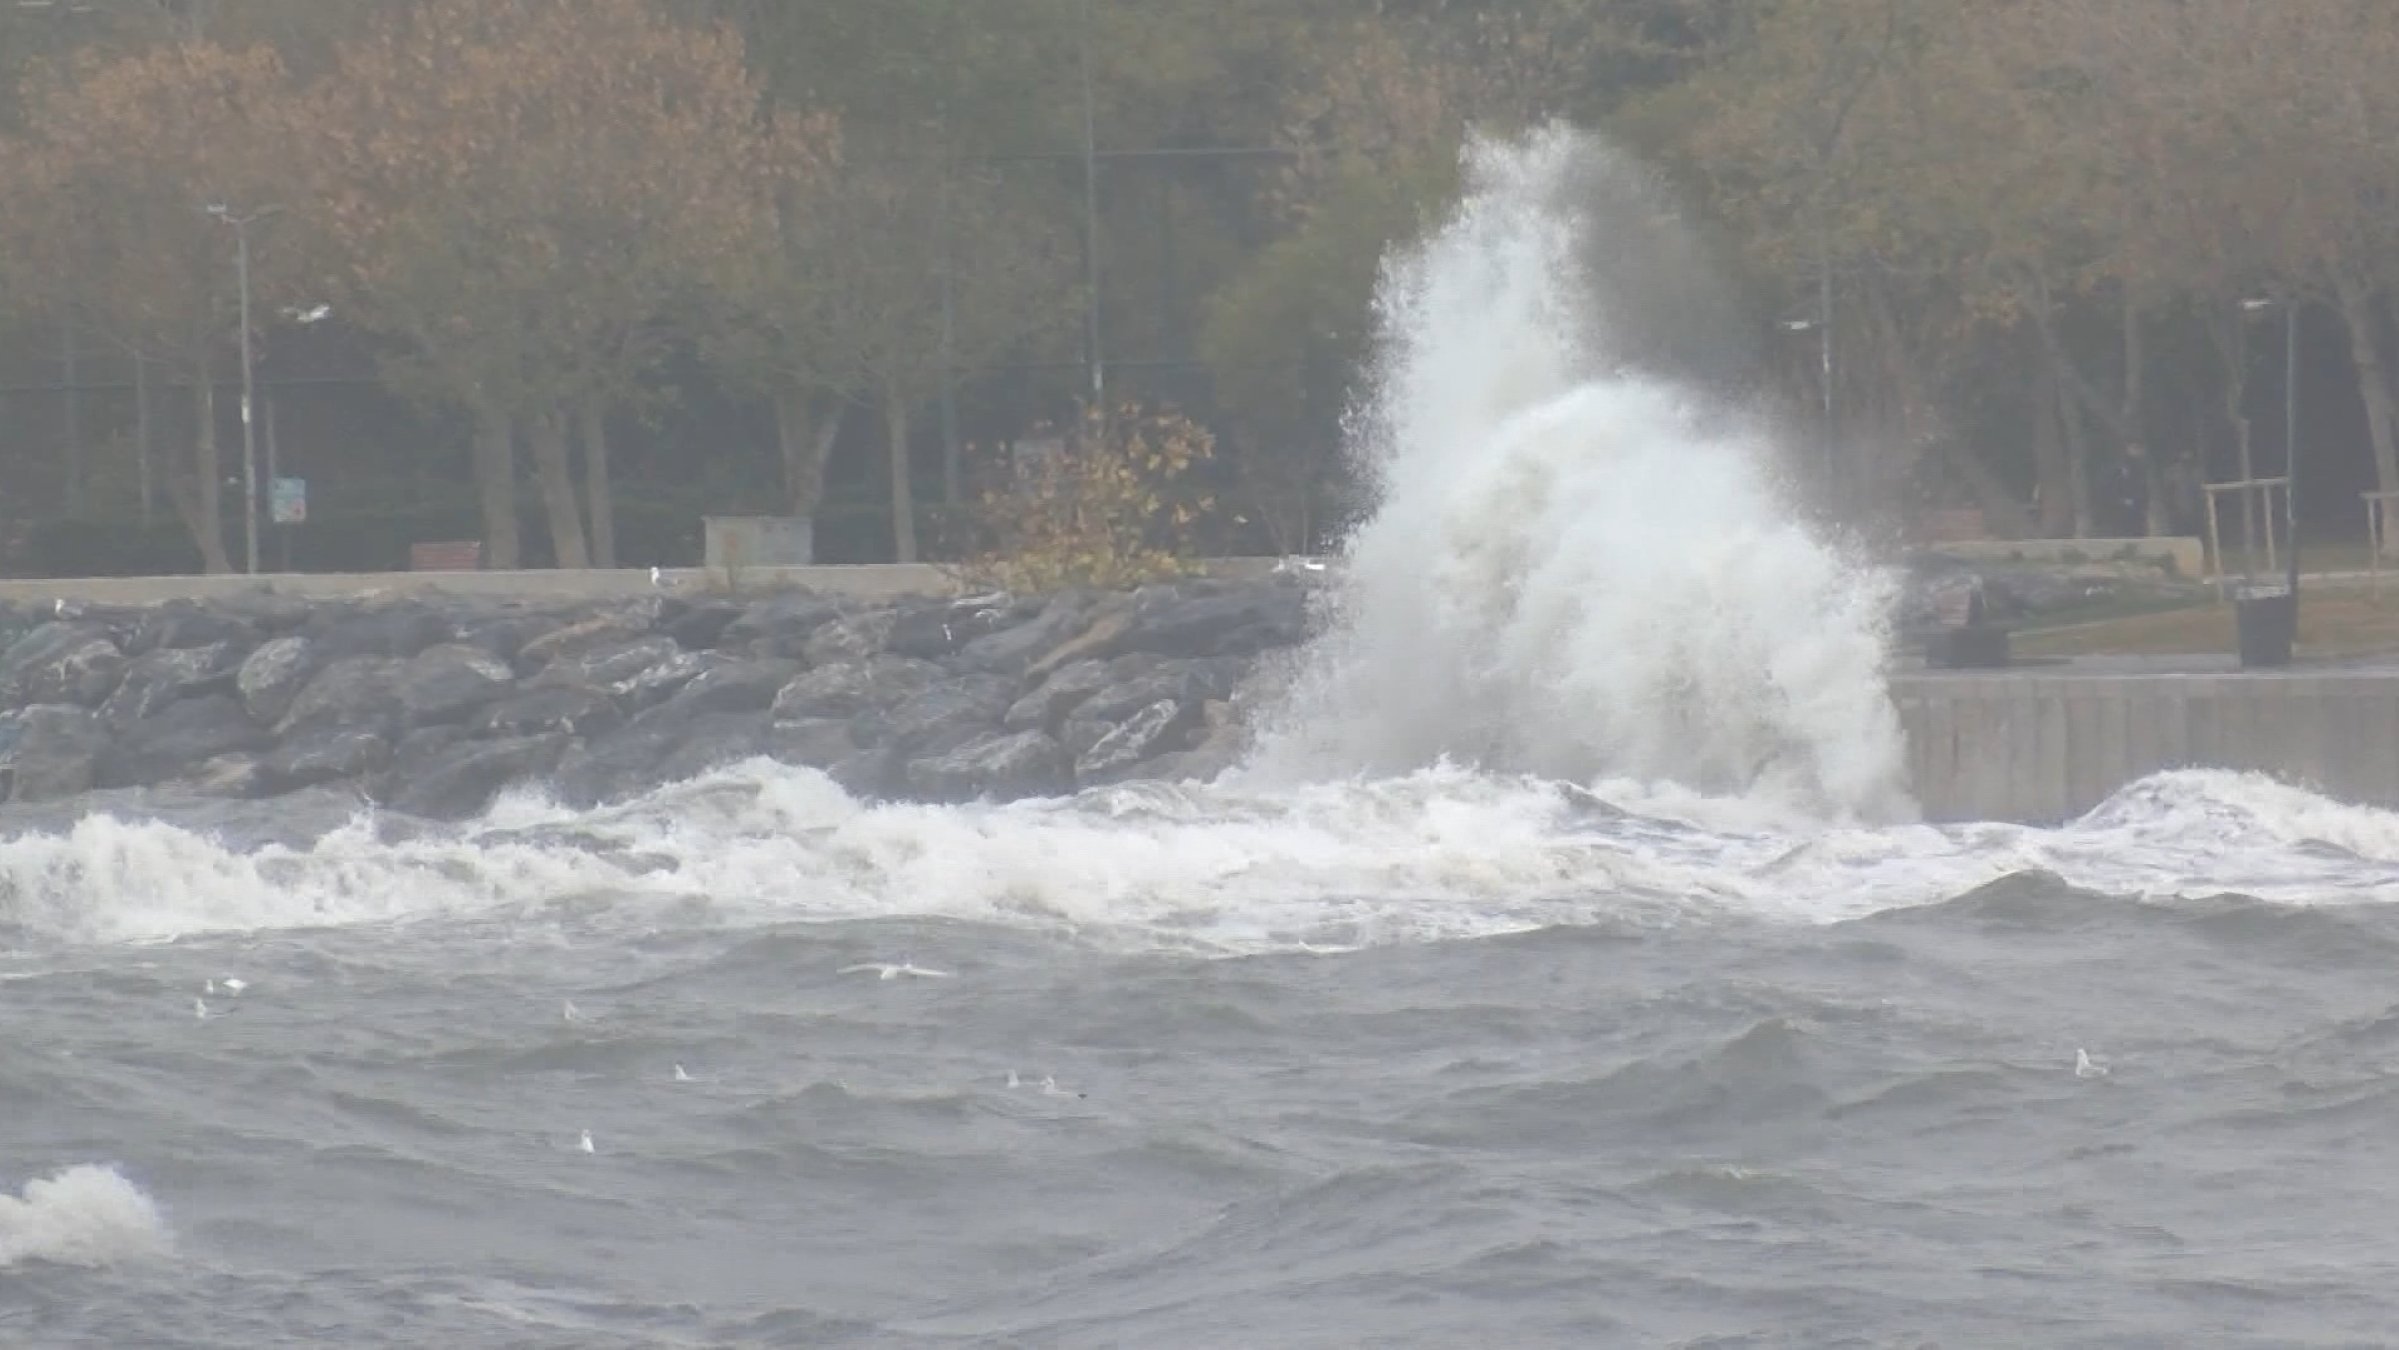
(2041, 747)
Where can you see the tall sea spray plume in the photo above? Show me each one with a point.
(1580, 563)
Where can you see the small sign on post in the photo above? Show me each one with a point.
(287, 501)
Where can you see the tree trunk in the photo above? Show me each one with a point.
(807, 446)
(2374, 385)
(596, 489)
(2053, 470)
(554, 472)
(2156, 515)
(2232, 344)
(201, 503)
(903, 496)
(495, 489)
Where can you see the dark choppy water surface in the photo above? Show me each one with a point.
(1752, 1118)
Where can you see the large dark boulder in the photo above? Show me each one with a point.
(1214, 618)
(1002, 765)
(394, 631)
(449, 682)
(848, 688)
(577, 639)
(702, 625)
(355, 691)
(62, 662)
(540, 712)
(670, 678)
(932, 631)
(1193, 682)
(854, 638)
(271, 677)
(178, 738)
(48, 752)
(811, 743)
(461, 780)
(613, 665)
(1047, 707)
(737, 686)
(653, 747)
(185, 623)
(326, 755)
(1156, 729)
(947, 714)
(161, 675)
(1014, 649)
(779, 626)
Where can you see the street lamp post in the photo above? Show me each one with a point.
(241, 263)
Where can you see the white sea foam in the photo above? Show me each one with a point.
(1436, 854)
(1576, 567)
(82, 1216)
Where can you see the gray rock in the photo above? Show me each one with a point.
(716, 739)
(671, 677)
(1014, 649)
(183, 623)
(1214, 618)
(574, 640)
(700, 626)
(447, 682)
(76, 663)
(849, 688)
(393, 631)
(324, 756)
(811, 743)
(1047, 707)
(176, 739)
(271, 677)
(1193, 682)
(780, 626)
(871, 774)
(161, 675)
(1160, 727)
(48, 752)
(461, 780)
(930, 632)
(948, 714)
(650, 748)
(356, 691)
(539, 712)
(235, 777)
(417, 748)
(849, 639)
(612, 665)
(1001, 765)
(737, 686)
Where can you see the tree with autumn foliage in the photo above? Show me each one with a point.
(523, 194)
(109, 213)
(1114, 502)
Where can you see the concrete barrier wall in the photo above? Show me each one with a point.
(863, 581)
(2040, 749)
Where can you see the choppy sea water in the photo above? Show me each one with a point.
(1443, 1060)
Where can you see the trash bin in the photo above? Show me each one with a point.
(2267, 623)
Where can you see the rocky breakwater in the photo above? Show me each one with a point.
(434, 706)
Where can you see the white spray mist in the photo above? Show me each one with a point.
(1575, 568)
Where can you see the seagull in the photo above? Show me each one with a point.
(885, 970)
(570, 1012)
(587, 1143)
(680, 1076)
(1050, 1088)
(2085, 1066)
(657, 577)
(200, 1008)
(1013, 1081)
(230, 984)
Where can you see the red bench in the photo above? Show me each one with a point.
(446, 555)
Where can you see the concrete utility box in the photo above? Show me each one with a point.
(758, 541)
